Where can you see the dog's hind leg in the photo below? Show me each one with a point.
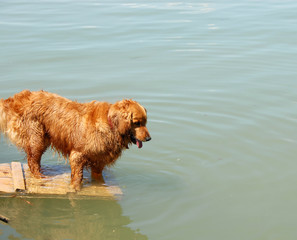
(36, 146)
(34, 158)
(77, 163)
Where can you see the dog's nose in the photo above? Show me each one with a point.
(148, 139)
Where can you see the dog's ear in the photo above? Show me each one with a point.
(120, 116)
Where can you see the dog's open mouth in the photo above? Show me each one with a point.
(136, 141)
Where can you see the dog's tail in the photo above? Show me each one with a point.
(3, 120)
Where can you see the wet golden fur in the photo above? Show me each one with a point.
(90, 134)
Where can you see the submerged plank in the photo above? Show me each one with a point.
(17, 176)
(57, 181)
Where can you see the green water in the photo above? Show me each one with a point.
(218, 79)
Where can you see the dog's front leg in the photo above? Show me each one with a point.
(77, 163)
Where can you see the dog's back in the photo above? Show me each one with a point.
(28, 114)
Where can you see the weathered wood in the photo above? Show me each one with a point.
(5, 170)
(6, 184)
(17, 176)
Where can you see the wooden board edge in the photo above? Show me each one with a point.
(115, 190)
(18, 176)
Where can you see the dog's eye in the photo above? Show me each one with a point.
(137, 124)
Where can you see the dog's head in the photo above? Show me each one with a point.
(130, 118)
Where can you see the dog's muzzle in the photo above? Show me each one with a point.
(139, 142)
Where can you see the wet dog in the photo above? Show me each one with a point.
(90, 134)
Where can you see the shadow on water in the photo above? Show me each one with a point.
(33, 218)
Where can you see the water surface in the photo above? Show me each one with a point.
(218, 79)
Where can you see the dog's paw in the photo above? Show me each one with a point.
(38, 175)
(76, 186)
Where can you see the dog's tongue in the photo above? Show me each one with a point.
(139, 143)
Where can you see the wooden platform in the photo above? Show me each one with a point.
(16, 177)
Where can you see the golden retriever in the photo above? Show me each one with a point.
(90, 134)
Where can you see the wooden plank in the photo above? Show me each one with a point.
(6, 185)
(95, 191)
(5, 170)
(57, 181)
(17, 176)
(53, 182)
(115, 190)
